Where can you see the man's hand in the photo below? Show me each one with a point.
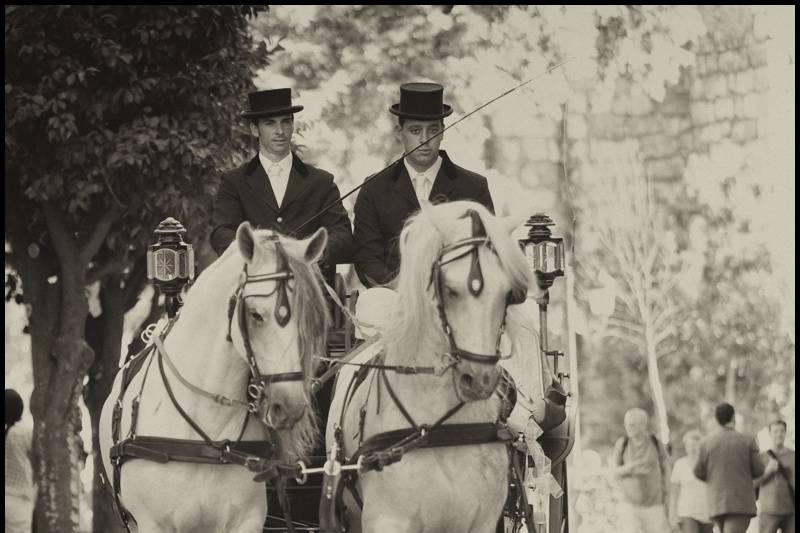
(771, 468)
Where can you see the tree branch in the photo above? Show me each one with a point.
(628, 325)
(92, 244)
(63, 243)
(627, 337)
(111, 266)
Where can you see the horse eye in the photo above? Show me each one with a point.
(450, 292)
(257, 317)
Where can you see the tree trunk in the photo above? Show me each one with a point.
(60, 357)
(656, 387)
(104, 334)
(730, 381)
(57, 445)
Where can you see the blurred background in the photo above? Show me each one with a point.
(663, 149)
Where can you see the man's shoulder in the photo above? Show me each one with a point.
(469, 176)
(238, 172)
(382, 178)
(316, 173)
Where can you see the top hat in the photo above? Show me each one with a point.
(421, 101)
(270, 103)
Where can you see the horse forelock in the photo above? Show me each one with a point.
(423, 236)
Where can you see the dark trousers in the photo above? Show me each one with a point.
(690, 525)
(771, 523)
(732, 523)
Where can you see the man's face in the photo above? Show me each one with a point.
(635, 425)
(274, 134)
(414, 132)
(778, 434)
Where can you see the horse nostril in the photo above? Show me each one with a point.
(276, 412)
(466, 381)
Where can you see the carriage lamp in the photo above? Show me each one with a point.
(544, 252)
(170, 263)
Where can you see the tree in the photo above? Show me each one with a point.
(116, 117)
(637, 250)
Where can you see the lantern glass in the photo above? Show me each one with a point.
(166, 264)
(546, 257)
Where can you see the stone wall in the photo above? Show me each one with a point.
(720, 98)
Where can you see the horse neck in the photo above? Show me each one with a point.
(199, 349)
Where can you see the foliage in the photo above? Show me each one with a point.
(117, 117)
(129, 109)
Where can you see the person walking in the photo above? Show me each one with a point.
(641, 465)
(728, 462)
(776, 485)
(688, 511)
(20, 488)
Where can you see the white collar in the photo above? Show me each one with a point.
(431, 172)
(283, 164)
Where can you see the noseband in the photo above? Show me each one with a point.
(258, 382)
(475, 285)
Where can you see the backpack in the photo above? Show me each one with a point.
(655, 443)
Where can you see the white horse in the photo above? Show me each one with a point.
(441, 489)
(278, 324)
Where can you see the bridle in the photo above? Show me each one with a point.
(475, 284)
(258, 383)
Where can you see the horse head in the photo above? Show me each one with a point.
(468, 269)
(282, 320)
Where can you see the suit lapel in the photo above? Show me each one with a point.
(444, 184)
(403, 186)
(257, 180)
(295, 187)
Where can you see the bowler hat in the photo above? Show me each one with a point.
(270, 103)
(421, 101)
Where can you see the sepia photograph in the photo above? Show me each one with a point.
(400, 268)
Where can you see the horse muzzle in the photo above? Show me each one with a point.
(474, 381)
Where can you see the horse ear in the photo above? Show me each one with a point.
(315, 245)
(245, 240)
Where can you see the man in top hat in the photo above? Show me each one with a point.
(276, 189)
(426, 174)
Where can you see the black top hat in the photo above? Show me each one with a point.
(421, 101)
(270, 103)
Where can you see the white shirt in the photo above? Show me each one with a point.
(423, 181)
(692, 502)
(278, 174)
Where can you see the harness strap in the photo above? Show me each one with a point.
(180, 410)
(443, 435)
(397, 402)
(164, 449)
(218, 398)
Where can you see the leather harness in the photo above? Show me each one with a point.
(258, 456)
(389, 447)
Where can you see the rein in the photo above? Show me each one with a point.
(257, 456)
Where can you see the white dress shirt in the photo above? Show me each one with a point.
(278, 174)
(423, 181)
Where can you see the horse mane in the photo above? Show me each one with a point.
(424, 234)
(310, 312)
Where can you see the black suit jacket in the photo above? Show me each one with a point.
(384, 204)
(245, 193)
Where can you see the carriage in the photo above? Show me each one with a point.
(302, 496)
